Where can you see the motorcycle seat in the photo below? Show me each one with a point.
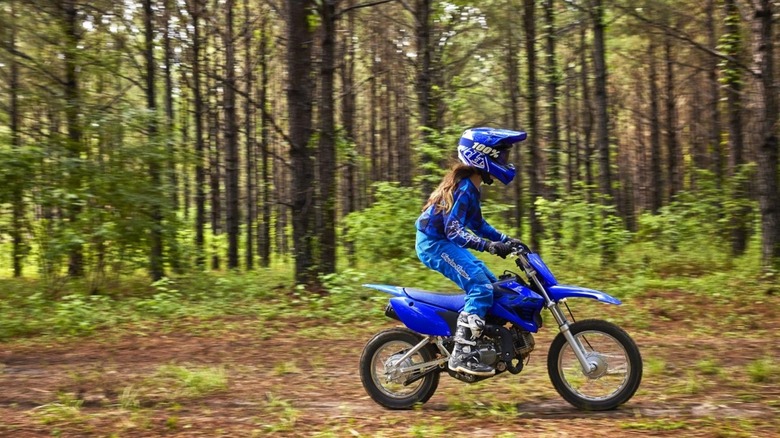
(449, 301)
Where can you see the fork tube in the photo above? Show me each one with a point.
(560, 317)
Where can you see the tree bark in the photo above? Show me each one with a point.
(554, 146)
(513, 84)
(716, 151)
(534, 166)
(768, 196)
(74, 144)
(249, 161)
(17, 251)
(264, 233)
(195, 10)
(156, 270)
(733, 88)
(299, 92)
(656, 177)
(327, 140)
(673, 155)
(232, 201)
(602, 120)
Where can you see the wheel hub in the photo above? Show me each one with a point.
(599, 364)
(393, 366)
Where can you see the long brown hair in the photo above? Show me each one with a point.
(442, 197)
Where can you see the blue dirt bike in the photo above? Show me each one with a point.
(593, 364)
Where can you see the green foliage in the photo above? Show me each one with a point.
(386, 230)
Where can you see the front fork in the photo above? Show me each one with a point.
(563, 324)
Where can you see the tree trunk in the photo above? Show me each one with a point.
(513, 83)
(250, 141)
(533, 117)
(215, 173)
(74, 144)
(602, 120)
(264, 233)
(733, 86)
(156, 234)
(716, 151)
(232, 201)
(768, 196)
(17, 252)
(348, 119)
(424, 82)
(656, 186)
(299, 92)
(327, 140)
(196, 8)
(554, 145)
(673, 155)
(587, 115)
(172, 174)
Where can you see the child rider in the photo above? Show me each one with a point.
(443, 240)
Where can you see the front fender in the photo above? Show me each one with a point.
(561, 291)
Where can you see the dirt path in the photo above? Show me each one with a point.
(300, 381)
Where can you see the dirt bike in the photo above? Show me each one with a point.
(593, 364)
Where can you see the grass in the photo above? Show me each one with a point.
(284, 415)
(66, 410)
(764, 370)
(191, 381)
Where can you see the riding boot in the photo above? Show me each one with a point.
(465, 356)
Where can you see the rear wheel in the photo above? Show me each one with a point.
(617, 366)
(380, 357)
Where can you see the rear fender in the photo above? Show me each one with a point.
(392, 290)
(561, 291)
(420, 317)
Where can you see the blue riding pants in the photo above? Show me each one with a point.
(462, 267)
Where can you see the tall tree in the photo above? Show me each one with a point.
(732, 74)
(14, 110)
(600, 90)
(299, 107)
(264, 231)
(656, 176)
(232, 218)
(673, 153)
(195, 9)
(552, 80)
(156, 234)
(716, 152)
(534, 165)
(250, 140)
(74, 143)
(769, 198)
(327, 141)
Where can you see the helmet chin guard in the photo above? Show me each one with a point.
(487, 149)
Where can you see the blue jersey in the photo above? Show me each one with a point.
(466, 214)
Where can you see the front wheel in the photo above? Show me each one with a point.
(381, 357)
(617, 369)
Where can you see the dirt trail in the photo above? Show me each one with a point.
(306, 385)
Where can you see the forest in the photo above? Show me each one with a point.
(202, 167)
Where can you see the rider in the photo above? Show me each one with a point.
(443, 239)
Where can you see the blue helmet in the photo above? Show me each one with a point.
(487, 149)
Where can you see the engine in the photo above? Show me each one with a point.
(500, 347)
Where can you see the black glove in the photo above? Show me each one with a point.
(501, 249)
(518, 245)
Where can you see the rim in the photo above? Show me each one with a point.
(613, 367)
(384, 357)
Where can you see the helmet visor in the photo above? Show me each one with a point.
(503, 157)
